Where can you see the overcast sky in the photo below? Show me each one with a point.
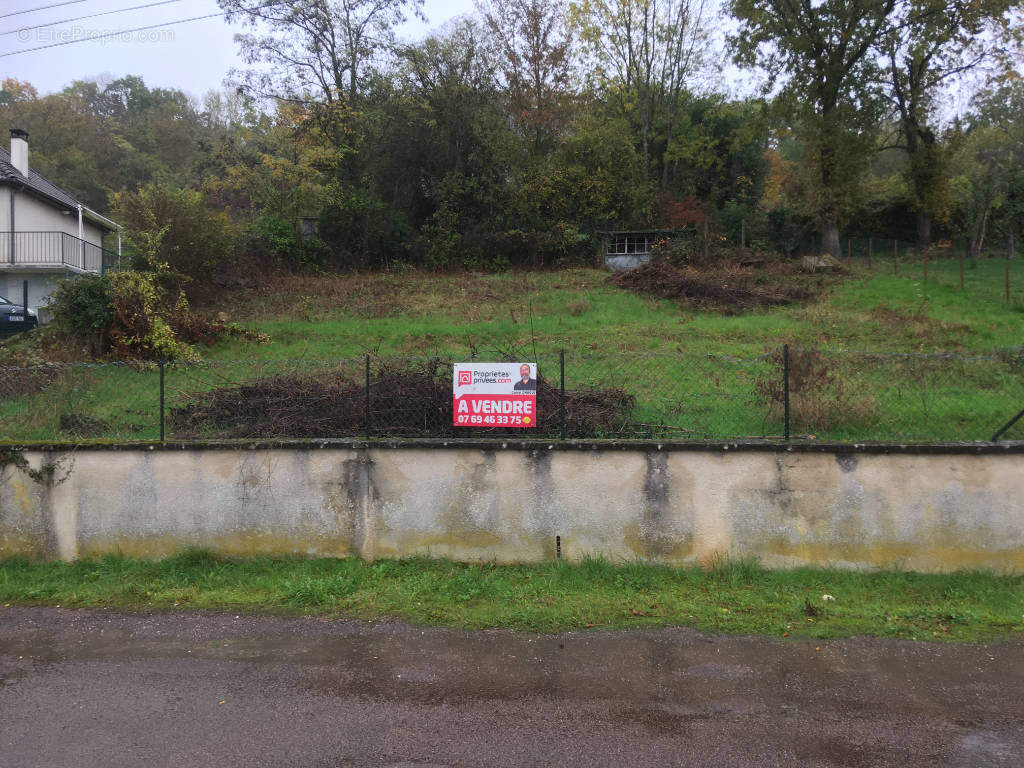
(194, 56)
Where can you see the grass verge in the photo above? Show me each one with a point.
(726, 596)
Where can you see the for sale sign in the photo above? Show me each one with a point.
(494, 395)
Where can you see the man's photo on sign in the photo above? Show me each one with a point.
(525, 383)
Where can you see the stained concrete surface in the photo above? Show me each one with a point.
(96, 688)
(926, 511)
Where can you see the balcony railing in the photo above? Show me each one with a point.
(40, 249)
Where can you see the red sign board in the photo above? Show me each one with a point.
(494, 395)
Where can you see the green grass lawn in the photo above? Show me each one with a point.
(694, 373)
(736, 597)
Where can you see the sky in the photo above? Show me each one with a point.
(194, 56)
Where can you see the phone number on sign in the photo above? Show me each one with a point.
(492, 419)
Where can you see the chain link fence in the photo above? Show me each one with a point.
(795, 394)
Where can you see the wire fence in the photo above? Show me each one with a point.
(995, 275)
(785, 394)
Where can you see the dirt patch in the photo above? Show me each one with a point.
(17, 381)
(728, 286)
(403, 402)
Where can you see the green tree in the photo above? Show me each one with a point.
(819, 54)
(640, 54)
(928, 45)
(317, 50)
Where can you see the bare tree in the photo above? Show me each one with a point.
(534, 42)
(315, 50)
(642, 53)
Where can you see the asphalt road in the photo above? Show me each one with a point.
(96, 688)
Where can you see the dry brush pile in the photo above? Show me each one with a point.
(728, 286)
(404, 401)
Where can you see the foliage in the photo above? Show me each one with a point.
(822, 50)
(513, 137)
(173, 226)
(132, 315)
(82, 307)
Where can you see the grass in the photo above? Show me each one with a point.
(725, 596)
(695, 371)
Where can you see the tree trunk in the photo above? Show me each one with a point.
(923, 222)
(979, 241)
(830, 239)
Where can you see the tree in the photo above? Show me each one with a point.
(317, 50)
(928, 44)
(641, 53)
(534, 44)
(822, 50)
(987, 183)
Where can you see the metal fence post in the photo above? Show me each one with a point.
(562, 377)
(162, 364)
(785, 385)
(366, 416)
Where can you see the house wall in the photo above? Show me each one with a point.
(5, 213)
(33, 215)
(40, 286)
(924, 511)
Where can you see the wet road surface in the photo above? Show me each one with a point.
(97, 688)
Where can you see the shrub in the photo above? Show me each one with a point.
(173, 226)
(134, 315)
(82, 307)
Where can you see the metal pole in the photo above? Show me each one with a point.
(161, 401)
(1009, 424)
(562, 375)
(785, 384)
(870, 243)
(367, 414)
(24, 299)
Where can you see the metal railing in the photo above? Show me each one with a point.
(54, 248)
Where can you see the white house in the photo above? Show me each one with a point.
(45, 234)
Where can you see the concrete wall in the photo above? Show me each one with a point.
(861, 510)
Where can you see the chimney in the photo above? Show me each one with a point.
(19, 150)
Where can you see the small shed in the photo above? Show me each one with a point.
(626, 249)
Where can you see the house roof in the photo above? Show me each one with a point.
(43, 187)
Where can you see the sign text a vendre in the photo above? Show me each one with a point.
(494, 395)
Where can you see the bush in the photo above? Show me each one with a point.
(133, 315)
(82, 307)
(173, 226)
(278, 239)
